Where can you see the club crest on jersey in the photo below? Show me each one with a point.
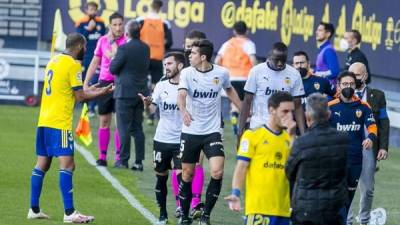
(358, 113)
(164, 95)
(278, 156)
(317, 86)
(287, 80)
(216, 80)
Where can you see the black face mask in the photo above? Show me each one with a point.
(91, 17)
(347, 92)
(359, 83)
(187, 53)
(303, 71)
(80, 55)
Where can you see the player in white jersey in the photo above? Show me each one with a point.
(265, 79)
(199, 100)
(168, 132)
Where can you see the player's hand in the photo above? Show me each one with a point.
(95, 89)
(234, 203)
(114, 48)
(290, 124)
(367, 144)
(382, 154)
(147, 100)
(91, 25)
(187, 118)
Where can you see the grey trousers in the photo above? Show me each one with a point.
(366, 187)
(129, 122)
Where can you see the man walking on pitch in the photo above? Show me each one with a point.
(168, 132)
(261, 160)
(62, 87)
(199, 100)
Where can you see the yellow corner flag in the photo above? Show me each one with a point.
(58, 39)
(83, 129)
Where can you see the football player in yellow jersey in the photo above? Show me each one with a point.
(261, 159)
(62, 87)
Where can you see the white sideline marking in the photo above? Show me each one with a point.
(117, 185)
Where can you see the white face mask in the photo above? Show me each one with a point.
(344, 44)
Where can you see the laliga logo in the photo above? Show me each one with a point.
(4, 69)
(76, 13)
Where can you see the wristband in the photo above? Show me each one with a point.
(236, 192)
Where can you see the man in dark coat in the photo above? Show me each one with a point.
(316, 169)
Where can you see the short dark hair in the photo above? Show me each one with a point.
(92, 4)
(74, 39)
(278, 97)
(196, 34)
(356, 35)
(240, 27)
(328, 27)
(301, 53)
(206, 48)
(346, 74)
(115, 15)
(156, 4)
(280, 46)
(178, 56)
(132, 28)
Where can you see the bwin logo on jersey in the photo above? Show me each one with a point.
(269, 91)
(205, 94)
(167, 106)
(348, 127)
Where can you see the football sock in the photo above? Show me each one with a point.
(185, 196)
(213, 190)
(161, 193)
(197, 185)
(104, 140)
(66, 190)
(36, 188)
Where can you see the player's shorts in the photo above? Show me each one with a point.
(156, 70)
(54, 142)
(239, 87)
(164, 154)
(255, 219)
(106, 103)
(192, 145)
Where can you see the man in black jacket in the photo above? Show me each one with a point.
(130, 66)
(316, 169)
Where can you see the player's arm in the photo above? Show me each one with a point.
(187, 118)
(239, 177)
(299, 114)
(253, 59)
(94, 64)
(332, 62)
(233, 97)
(92, 92)
(148, 103)
(245, 111)
(292, 164)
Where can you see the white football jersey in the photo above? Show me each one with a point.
(263, 82)
(165, 96)
(204, 98)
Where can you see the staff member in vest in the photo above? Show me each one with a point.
(238, 55)
(92, 28)
(155, 32)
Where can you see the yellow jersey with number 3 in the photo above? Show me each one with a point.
(267, 188)
(63, 76)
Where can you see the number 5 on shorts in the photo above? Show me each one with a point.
(181, 148)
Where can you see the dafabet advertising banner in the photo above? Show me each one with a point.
(291, 21)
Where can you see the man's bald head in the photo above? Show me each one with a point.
(360, 70)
